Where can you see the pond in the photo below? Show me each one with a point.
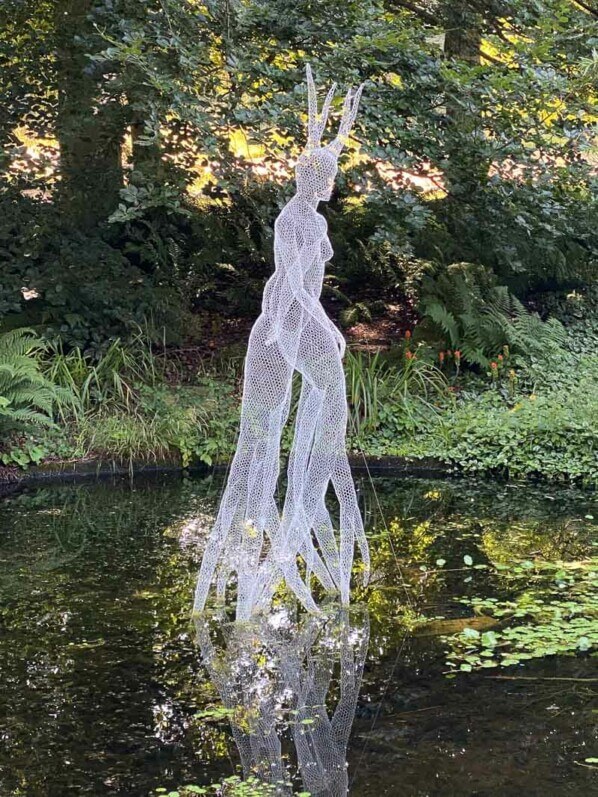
(466, 668)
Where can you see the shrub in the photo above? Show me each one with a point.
(84, 289)
(553, 435)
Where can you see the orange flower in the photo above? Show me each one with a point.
(409, 355)
(408, 335)
(457, 355)
(500, 358)
(494, 366)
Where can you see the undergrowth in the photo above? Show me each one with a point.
(532, 414)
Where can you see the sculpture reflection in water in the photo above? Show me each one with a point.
(274, 675)
(251, 540)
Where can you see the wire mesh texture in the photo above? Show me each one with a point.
(252, 540)
(275, 675)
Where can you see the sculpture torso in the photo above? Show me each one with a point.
(298, 227)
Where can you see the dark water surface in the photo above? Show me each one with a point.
(104, 690)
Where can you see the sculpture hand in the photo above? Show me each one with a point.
(338, 338)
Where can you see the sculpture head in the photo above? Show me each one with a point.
(318, 165)
(315, 173)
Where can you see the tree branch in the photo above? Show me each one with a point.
(420, 12)
(491, 58)
(586, 7)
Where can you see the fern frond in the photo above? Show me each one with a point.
(444, 319)
(480, 317)
(28, 397)
(19, 342)
(474, 355)
(25, 417)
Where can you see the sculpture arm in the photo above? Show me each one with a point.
(293, 261)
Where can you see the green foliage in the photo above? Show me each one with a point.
(373, 252)
(218, 443)
(138, 438)
(554, 612)
(553, 435)
(123, 406)
(367, 378)
(536, 416)
(578, 311)
(84, 289)
(125, 411)
(120, 406)
(24, 454)
(358, 311)
(474, 315)
(202, 420)
(231, 253)
(502, 128)
(27, 397)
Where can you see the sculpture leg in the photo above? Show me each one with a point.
(254, 470)
(295, 530)
(320, 362)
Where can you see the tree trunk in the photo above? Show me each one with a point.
(467, 170)
(462, 32)
(89, 131)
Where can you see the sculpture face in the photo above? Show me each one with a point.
(315, 174)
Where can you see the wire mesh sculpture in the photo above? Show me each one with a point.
(276, 673)
(251, 538)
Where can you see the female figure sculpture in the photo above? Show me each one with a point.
(251, 538)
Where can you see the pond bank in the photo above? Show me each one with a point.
(534, 422)
(99, 468)
(392, 466)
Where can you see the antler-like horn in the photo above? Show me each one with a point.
(316, 123)
(350, 106)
